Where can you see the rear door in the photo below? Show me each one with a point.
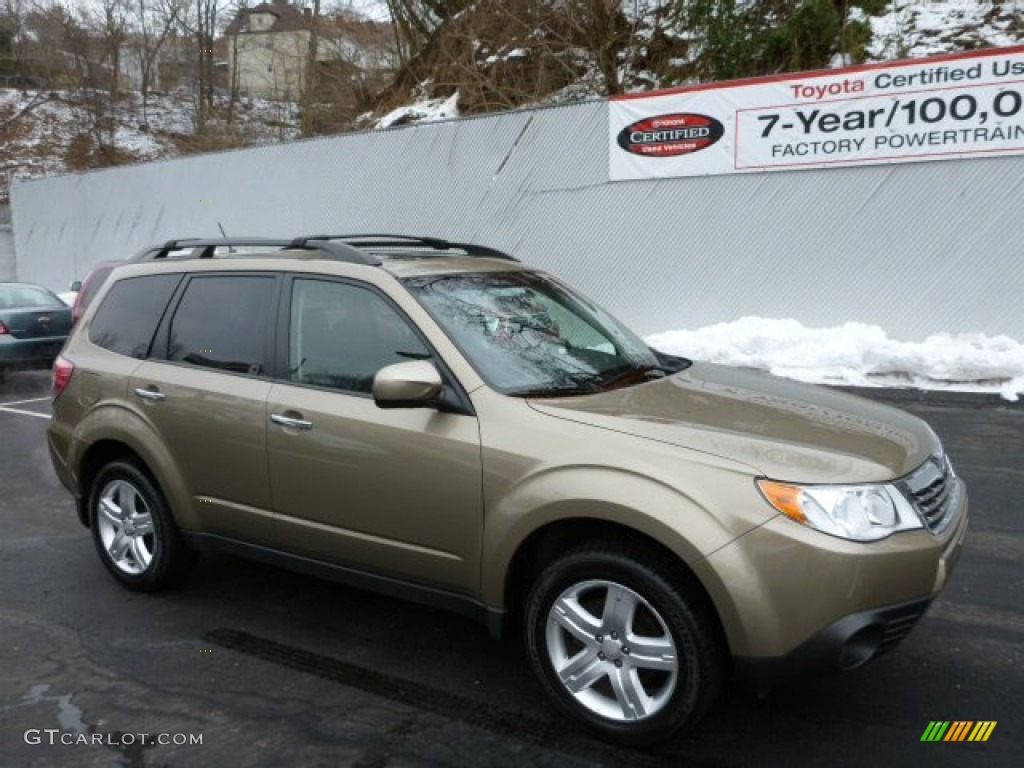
(204, 392)
(396, 492)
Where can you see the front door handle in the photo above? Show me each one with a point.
(151, 395)
(290, 421)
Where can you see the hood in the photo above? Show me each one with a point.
(785, 430)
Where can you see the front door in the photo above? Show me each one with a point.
(396, 492)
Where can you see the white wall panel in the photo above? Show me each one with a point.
(915, 248)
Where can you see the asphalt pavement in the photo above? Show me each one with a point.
(263, 667)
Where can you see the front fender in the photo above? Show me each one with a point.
(684, 525)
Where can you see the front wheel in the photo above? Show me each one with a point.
(133, 530)
(622, 645)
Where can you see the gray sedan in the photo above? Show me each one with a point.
(34, 324)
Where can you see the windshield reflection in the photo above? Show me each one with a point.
(528, 335)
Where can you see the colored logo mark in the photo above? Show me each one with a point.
(958, 730)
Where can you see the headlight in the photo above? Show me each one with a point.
(856, 512)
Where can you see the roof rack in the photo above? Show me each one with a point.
(348, 248)
(206, 248)
(386, 240)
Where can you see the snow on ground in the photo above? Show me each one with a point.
(423, 111)
(856, 354)
(914, 29)
(37, 129)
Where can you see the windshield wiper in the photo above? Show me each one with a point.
(585, 387)
(598, 382)
(640, 373)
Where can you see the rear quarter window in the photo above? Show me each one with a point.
(127, 319)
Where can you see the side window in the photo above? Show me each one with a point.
(222, 322)
(341, 335)
(130, 312)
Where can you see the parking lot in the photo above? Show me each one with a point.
(270, 668)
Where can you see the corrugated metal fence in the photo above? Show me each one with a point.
(7, 270)
(915, 248)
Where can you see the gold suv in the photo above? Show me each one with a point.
(439, 422)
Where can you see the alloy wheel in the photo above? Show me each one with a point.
(612, 650)
(125, 525)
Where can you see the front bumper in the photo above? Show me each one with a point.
(796, 602)
(846, 644)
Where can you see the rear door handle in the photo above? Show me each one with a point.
(290, 421)
(152, 395)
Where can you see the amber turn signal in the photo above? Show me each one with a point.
(785, 498)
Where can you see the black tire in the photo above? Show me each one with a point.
(611, 676)
(152, 554)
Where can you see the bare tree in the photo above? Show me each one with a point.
(13, 39)
(110, 26)
(154, 21)
(310, 84)
(43, 44)
(198, 20)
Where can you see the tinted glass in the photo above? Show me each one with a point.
(14, 296)
(527, 334)
(341, 335)
(222, 322)
(93, 282)
(130, 312)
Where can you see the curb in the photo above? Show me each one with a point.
(945, 398)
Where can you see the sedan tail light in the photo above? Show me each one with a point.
(4, 330)
(62, 370)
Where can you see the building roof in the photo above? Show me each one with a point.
(289, 18)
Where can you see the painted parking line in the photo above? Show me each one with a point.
(20, 412)
(23, 402)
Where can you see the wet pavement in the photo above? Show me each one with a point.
(266, 667)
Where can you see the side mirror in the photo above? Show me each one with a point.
(75, 286)
(415, 384)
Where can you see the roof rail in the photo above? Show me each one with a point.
(206, 248)
(386, 240)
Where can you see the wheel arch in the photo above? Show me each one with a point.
(552, 540)
(114, 433)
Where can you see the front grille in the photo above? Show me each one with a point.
(931, 488)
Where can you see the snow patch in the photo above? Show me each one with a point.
(914, 29)
(856, 354)
(423, 111)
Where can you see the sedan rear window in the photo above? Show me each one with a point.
(16, 296)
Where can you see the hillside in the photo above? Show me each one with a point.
(42, 132)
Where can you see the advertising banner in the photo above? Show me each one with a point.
(938, 108)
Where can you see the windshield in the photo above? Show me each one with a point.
(526, 334)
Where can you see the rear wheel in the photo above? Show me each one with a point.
(622, 645)
(133, 530)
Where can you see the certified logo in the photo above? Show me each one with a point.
(682, 133)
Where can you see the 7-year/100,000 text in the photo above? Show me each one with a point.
(899, 113)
